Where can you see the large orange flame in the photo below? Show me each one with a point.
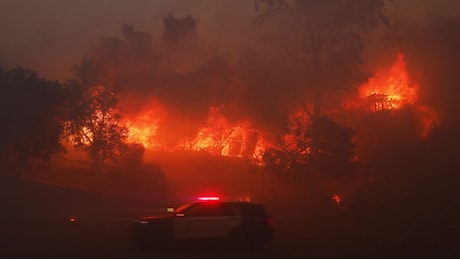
(390, 89)
(143, 127)
(220, 137)
(217, 136)
(142, 130)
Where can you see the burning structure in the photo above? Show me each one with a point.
(178, 94)
(390, 88)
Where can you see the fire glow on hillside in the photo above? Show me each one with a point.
(390, 89)
(217, 136)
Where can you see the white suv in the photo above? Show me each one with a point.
(234, 223)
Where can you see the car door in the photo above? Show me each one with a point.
(206, 220)
(224, 218)
(187, 222)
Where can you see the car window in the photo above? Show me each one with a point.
(252, 210)
(209, 209)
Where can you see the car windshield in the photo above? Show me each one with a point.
(183, 207)
(206, 209)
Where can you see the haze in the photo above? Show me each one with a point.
(141, 104)
(49, 36)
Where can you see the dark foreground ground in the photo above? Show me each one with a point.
(35, 223)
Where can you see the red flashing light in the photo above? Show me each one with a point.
(209, 198)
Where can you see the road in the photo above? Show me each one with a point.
(35, 223)
(109, 238)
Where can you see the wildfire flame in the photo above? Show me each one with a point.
(217, 136)
(390, 89)
(143, 129)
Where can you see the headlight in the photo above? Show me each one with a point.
(140, 221)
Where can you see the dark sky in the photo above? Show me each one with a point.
(51, 35)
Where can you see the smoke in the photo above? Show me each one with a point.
(50, 35)
(177, 68)
(430, 50)
(176, 59)
(188, 76)
(207, 55)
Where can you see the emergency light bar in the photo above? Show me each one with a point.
(208, 198)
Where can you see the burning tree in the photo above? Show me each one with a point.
(292, 149)
(94, 122)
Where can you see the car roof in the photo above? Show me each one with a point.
(244, 206)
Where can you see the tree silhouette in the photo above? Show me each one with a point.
(31, 116)
(336, 148)
(291, 145)
(292, 150)
(179, 30)
(327, 38)
(132, 156)
(140, 43)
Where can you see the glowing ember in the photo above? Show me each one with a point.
(337, 199)
(429, 119)
(87, 135)
(390, 89)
